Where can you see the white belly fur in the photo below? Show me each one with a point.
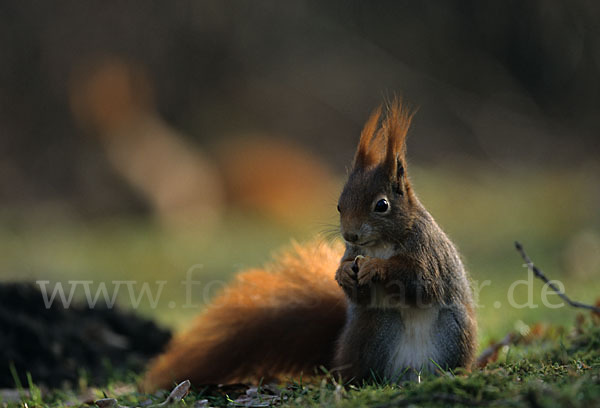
(381, 251)
(414, 346)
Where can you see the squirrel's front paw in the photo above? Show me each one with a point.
(346, 276)
(370, 270)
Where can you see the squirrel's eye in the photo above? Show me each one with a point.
(338, 207)
(382, 205)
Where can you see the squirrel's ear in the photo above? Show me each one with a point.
(400, 170)
(400, 181)
(365, 155)
(395, 127)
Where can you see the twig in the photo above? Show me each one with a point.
(537, 272)
(491, 352)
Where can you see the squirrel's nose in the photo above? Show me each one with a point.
(350, 237)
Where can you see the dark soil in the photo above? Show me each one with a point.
(57, 345)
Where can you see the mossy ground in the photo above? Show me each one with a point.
(549, 367)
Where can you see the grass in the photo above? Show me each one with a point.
(554, 367)
(553, 213)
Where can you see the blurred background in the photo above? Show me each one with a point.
(139, 139)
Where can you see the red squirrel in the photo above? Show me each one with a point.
(397, 304)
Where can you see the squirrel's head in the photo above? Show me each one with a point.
(377, 199)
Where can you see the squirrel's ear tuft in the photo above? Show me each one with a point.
(386, 143)
(395, 127)
(365, 154)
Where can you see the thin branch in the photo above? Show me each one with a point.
(537, 272)
(490, 353)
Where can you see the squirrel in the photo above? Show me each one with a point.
(397, 304)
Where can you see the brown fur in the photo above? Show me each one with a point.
(365, 156)
(279, 320)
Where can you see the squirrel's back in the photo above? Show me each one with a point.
(283, 319)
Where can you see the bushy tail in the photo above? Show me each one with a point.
(272, 322)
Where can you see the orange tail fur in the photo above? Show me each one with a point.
(280, 320)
